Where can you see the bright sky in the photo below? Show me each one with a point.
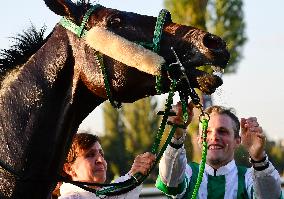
(255, 90)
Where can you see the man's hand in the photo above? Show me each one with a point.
(178, 119)
(142, 163)
(252, 138)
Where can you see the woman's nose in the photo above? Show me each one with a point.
(99, 159)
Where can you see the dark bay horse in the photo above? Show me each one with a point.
(43, 101)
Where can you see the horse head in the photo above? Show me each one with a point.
(44, 101)
(193, 46)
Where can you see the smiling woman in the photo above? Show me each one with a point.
(79, 164)
(85, 163)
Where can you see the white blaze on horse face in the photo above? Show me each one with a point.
(124, 51)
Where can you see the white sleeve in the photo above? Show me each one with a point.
(172, 166)
(71, 196)
(263, 184)
(133, 194)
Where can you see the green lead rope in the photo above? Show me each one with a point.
(203, 158)
(160, 154)
(100, 63)
(159, 135)
(161, 130)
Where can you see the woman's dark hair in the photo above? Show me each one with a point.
(81, 142)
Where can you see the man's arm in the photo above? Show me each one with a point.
(265, 178)
(267, 183)
(172, 167)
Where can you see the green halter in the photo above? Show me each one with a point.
(80, 31)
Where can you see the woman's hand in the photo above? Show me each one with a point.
(142, 163)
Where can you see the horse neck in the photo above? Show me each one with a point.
(30, 100)
(38, 113)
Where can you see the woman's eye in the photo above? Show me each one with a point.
(102, 153)
(89, 155)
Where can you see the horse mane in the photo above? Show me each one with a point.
(25, 45)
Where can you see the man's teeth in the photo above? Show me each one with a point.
(214, 147)
(218, 71)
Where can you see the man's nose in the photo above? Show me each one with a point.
(213, 136)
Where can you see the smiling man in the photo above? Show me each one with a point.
(222, 178)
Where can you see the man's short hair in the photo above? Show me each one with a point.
(229, 112)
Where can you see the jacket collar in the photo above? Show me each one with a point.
(67, 188)
(224, 170)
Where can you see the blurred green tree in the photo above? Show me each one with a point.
(129, 131)
(275, 153)
(113, 142)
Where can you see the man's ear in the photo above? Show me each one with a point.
(67, 168)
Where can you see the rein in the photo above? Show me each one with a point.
(137, 179)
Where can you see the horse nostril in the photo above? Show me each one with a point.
(213, 42)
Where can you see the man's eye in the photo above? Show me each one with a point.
(223, 131)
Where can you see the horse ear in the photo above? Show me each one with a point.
(62, 7)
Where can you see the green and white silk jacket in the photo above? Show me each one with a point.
(177, 179)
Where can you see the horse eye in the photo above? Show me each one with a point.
(114, 22)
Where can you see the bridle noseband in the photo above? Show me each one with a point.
(80, 31)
